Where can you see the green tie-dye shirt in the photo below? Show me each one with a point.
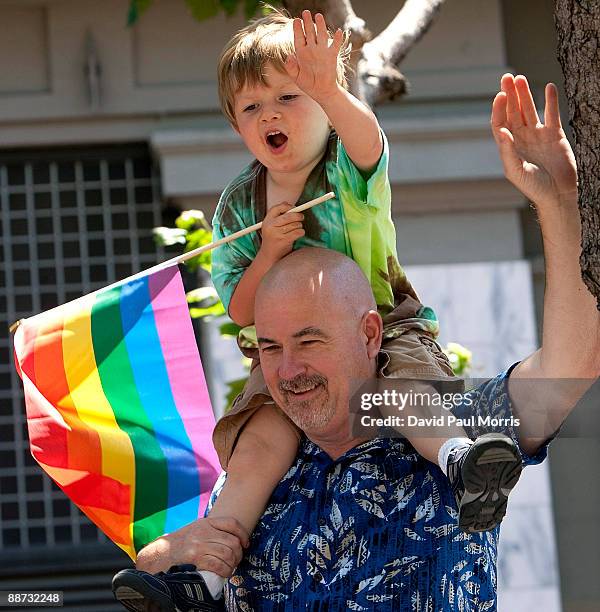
(357, 223)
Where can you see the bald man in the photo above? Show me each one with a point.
(356, 524)
(366, 525)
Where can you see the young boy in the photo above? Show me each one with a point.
(282, 87)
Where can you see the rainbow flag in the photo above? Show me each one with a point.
(118, 409)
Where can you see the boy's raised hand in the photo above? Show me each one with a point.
(537, 158)
(314, 65)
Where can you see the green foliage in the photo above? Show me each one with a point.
(205, 303)
(204, 9)
(229, 329)
(460, 358)
(169, 236)
(136, 8)
(235, 387)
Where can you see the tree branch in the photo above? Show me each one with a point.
(378, 75)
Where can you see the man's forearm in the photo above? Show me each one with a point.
(571, 321)
(356, 126)
(571, 333)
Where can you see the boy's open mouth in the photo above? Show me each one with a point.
(276, 140)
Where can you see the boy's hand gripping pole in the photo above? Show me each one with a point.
(243, 232)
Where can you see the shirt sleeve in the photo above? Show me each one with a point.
(228, 264)
(490, 404)
(216, 491)
(358, 190)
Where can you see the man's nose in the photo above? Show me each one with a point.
(290, 367)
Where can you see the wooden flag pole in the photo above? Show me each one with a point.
(207, 247)
(243, 232)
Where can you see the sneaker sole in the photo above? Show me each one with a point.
(492, 470)
(133, 593)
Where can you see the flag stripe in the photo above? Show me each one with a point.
(110, 449)
(151, 377)
(118, 382)
(181, 356)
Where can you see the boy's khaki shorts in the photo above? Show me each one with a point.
(407, 351)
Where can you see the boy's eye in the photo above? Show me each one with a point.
(250, 107)
(288, 97)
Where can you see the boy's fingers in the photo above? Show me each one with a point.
(322, 34)
(278, 209)
(287, 217)
(526, 102)
(552, 112)
(309, 29)
(338, 39)
(291, 227)
(299, 38)
(293, 236)
(513, 111)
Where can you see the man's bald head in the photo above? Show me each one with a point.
(328, 276)
(319, 335)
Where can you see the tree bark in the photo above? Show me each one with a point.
(578, 30)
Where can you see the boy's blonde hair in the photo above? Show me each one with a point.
(268, 39)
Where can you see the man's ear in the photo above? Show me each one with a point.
(372, 327)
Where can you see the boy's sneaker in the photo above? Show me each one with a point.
(181, 589)
(482, 476)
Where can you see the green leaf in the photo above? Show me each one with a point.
(136, 9)
(229, 329)
(189, 219)
(197, 238)
(194, 240)
(203, 9)
(168, 236)
(200, 294)
(209, 304)
(229, 6)
(250, 8)
(460, 358)
(235, 388)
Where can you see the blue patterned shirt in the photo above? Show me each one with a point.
(375, 529)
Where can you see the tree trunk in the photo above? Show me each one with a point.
(578, 29)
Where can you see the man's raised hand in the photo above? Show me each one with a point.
(314, 65)
(537, 158)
